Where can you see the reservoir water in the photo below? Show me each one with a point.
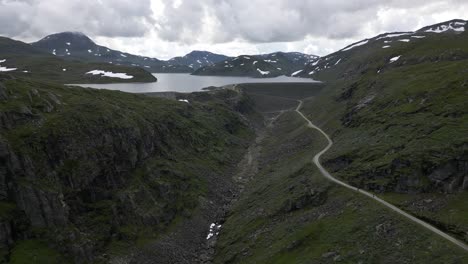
(183, 82)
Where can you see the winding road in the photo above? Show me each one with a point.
(370, 195)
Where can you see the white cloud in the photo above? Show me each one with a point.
(166, 28)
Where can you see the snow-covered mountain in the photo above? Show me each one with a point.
(76, 45)
(197, 59)
(20, 59)
(390, 49)
(264, 65)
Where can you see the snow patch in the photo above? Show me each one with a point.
(110, 74)
(392, 35)
(457, 26)
(386, 47)
(296, 73)
(392, 60)
(337, 62)
(263, 72)
(5, 69)
(185, 101)
(255, 62)
(404, 40)
(68, 43)
(214, 231)
(123, 55)
(356, 45)
(90, 51)
(54, 52)
(64, 70)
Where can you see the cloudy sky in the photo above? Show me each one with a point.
(168, 28)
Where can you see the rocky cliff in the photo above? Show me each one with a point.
(91, 175)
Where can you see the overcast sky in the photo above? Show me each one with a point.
(168, 28)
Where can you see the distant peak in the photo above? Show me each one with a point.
(65, 39)
(77, 33)
(455, 25)
(68, 34)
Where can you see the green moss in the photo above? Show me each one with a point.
(34, 251)
(7, 210)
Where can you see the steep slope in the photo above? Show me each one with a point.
(23, 60)
(258, 66)
(75, 45)
(390, 50)
(92, 176)
(395, 107)
(289, 213)
(197, 59)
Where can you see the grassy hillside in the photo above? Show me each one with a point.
(401, 128)
(289, 213)
(34, 64)
(93, 175)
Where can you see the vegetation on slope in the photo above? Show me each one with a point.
(94, 175)
(401, 128)
(289, 213)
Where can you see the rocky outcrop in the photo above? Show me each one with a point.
(406, 176)
(90, 170)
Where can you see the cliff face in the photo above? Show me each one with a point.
(86, 171)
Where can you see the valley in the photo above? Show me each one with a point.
(359, 156)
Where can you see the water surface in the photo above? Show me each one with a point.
(183, 82)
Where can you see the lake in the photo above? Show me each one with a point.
(186, 83)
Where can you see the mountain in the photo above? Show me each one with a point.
(197, 59)
(296, 58)
(395, 108)
(258, 66)
(90, 176)
(23, 60)
(75, 45)
(227, 175)
(389, 50)
(395, 105)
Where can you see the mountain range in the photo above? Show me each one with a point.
(229, 175)
(259, 66)
(76, 45)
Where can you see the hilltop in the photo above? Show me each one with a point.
(75, 45)
(23, 60)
